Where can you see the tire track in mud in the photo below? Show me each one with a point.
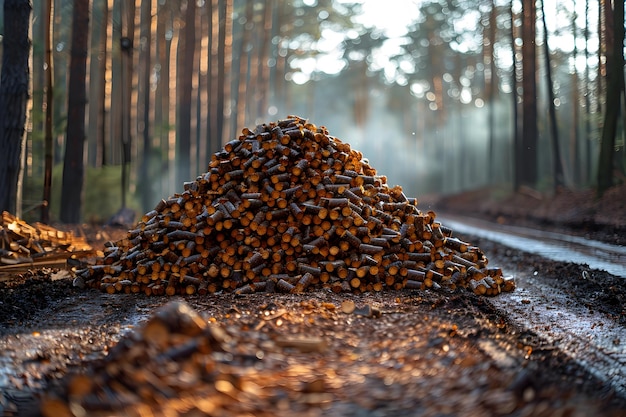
(585, 336)
(563, 320)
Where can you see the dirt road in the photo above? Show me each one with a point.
(320, 353)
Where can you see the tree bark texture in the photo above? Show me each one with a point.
(517, 140)
(146, 189)
(242, 65)
(186, 51)
(527, 159)
(49, 91)
(127, 110)
(615, 86)
(73, 166)
(557, 167)
(225, 10)
(13, 97)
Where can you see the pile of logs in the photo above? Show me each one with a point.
(285, 208)
(22, 243)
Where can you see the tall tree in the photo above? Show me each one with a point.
(115, 84)
(615, 86)
(73, 166)
(557, 167)
(262, 92)
(13, 98)
(242, 64)
(587, 93)
(574, 154)
(163, 120)
(186, 49)
(97, 84)
(526, 161)
(145, 180)
(202, 25)
(254, 63)
(213, 139)
(126, 48)
(219, 64)
(223, 61)
(489, 60)
(517, 140)
(48, 94)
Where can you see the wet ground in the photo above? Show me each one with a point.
(555, 346)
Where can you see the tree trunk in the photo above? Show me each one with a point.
(126, 47)
(243, 61)
(161, 106)
(587, 140)
(237, 48)
(527, 160)
(517, 142)
(48, 95)
(225, 10)
(105, 127)
(73, 166)
(280, 69)
(96, 79)
(262, 92)
(603, 44)
(557, 167)
(213, 68)
(615, 85)
(252, 87)
(114, 137)
(228, 65)
(34, 142)
(574, 154)
(13, 98)
(490, 85)
(202, 18)
(186, 51)
(146, 186)
(97, 88)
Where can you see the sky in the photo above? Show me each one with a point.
(391, 17)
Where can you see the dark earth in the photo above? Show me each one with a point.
(70, 351)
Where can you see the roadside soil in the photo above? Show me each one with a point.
(68, 351)
(576, 212)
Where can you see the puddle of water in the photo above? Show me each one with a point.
(555, 246)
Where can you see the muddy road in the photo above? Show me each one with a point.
(555, 346)
(573, 311)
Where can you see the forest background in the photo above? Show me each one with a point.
(126, 100)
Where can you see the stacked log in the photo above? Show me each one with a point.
(286, 208)
(21, 242)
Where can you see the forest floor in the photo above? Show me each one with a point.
(66, 351)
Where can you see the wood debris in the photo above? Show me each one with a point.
(287, 208)
(319, 362)
(22, 243)
(177, 362)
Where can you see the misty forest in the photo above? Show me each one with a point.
(111, 104)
